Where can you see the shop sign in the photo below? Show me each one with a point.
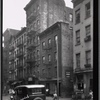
(67, 74)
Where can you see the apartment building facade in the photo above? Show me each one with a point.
(57, 64)
(17, 56)
(41, 14)
(83, 45)
(7, 35)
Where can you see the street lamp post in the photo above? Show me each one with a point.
(57, 70)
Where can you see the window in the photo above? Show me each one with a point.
(70, 17)
(38, 53)
(55, 71)
(43, 71)
(38, 39)
(38, 22)
(43, 45)
(88, 28)
(49, 72)
(77, 16)
(78, 60)
(49, 58)
(78, 37)
(80, 84)
(87, 7)
(88, 57)
(55, 56)
(49, 42)
(55, 39)
(38, 7)
(43, 59)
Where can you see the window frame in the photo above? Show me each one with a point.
(49, 57)
(49, 42)
(55, 56)
(43, 60)
(55, 40)
(43, 46)
(78, 37)
(78, 55)
(77, 16)
(71, 17)
(88, 59)
(88, 30)
(87, 11)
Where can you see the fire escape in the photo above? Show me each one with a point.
(30, 59)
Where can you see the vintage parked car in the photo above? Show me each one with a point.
(30, 92)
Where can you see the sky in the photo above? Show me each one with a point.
(14, 16)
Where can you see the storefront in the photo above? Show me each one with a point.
(83, 82)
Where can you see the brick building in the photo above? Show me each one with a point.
(17, 50)
(48, 68)
(7, 35)
(41, 14)
(83, 44)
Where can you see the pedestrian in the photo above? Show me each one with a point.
(55, 96)
(91, 94)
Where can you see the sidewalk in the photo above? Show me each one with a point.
(51, 98)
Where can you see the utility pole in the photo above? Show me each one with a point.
(57, 70)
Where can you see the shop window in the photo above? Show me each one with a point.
(80, 83)
(80, 86)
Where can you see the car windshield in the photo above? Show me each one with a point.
(37, 90)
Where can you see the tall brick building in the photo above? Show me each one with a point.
(83, 45)
(41, 14)
(49, 68)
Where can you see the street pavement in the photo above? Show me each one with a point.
(51, 98)
(7, 97)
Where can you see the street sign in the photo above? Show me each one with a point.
(67, 74)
